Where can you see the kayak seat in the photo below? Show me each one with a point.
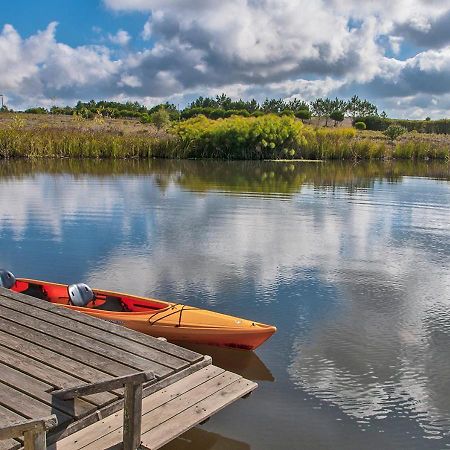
(36, 291)
(111, 303)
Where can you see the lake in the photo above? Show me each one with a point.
(350, 261)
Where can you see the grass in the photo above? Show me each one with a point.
(267, 137)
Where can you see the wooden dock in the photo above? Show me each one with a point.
(46, 348)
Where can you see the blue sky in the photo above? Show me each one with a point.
(397, 54)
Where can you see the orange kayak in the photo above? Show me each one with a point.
(175, 322)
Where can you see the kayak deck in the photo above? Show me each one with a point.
(176, 322)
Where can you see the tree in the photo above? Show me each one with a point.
(274, 105)
(337, 116)
(353, 106)
(368, 109)
(160, 118)
(297, 105)
(318, 108)
(328, 106)
(223, 101)
(303, 114)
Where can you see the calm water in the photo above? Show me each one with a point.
(351, 262)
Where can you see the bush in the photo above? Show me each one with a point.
(160, 118)
(360, 126)
(37, 110)
(394, 131)
(376, 123)
(238, 137)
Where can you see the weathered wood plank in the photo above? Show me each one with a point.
(54, 360)
(28, 406)
(124, 344)
(149, 341)
(15, 430)
(64, 348)
(117, 406)
(177, 425)
(8, 417)
(82, 341)
(48, 374)
(39, 390)
(106, 385)
(154, 401)
(173, 407)
(10, 444)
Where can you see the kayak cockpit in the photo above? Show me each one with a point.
(107, 301)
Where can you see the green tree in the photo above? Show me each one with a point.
(318, 108)
(337, 116)
(160, 118)
(353, 106)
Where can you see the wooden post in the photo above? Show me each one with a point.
(35, 440)
(132, 416)
(132, 411)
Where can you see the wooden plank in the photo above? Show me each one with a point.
(99, 335)
(118, 330)
(64, 348)
(117, 406)
(175, 405)
(8, 417)
(17, 429)
(28, 406)
(71, 337)
(106, 385)
(54, 360)
(40, 391)
(48, 374)
(197, 413)
(10, 444)
(113, 423)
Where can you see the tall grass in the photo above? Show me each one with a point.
(35, 143)
(266, 137)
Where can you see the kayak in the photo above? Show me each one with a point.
(173, 321)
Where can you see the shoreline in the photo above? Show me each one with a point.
(281, 140)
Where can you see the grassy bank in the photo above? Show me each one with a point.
(266, 137)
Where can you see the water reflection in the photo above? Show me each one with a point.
(247, 364)
(349, 261)
(198, 439)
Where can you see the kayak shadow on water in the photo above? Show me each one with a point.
(243, 362)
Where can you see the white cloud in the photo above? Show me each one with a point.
(120, 38)
(247, 47)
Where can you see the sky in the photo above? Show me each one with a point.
(394, 53)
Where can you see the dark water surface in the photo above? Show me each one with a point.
(350, 262)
